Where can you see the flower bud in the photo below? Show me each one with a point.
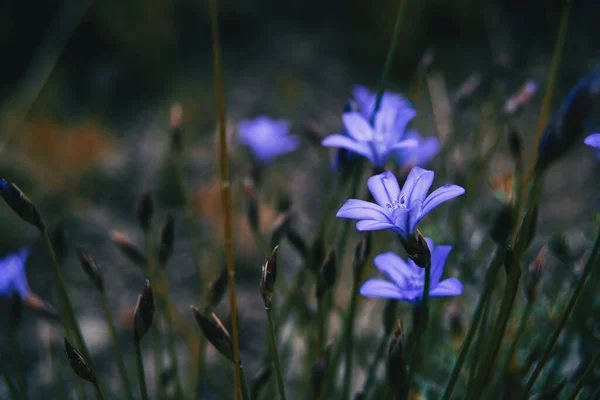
(417, 249)
(167, 239)
(143, 313)
(267, 281)
(503, 224)
(78, 364)
(124, 244)
(215, 333)
(91, 269)
(296, 240)
(327, 276)
(16, 199)
(145, 212)
(217, 288)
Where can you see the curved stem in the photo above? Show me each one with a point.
(140, 370)
(118, 356)
(570, 305)
(275, 354)
(477, 314)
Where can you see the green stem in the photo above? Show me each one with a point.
(482, 333)
(171, 335)
(99, 393)
(244, 384)
(16, 348)
(490, 279)
(349, 333)
(520, 330)
(68, 312)
(320, 327)
(588, 372)
(510, 293)
(570, 305)
(275, 355)
(11, 387)
(379, 354)
(140, 370)
(115, 340)
(156, 339)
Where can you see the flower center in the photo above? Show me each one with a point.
(400, 202)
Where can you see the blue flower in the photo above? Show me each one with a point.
(12, 274)
(399, 210)
(422, 154)
(378, 142)
(267, 138)
(407, 279)
(365, 99)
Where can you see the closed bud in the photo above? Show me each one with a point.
(16, 199)
(516, 102)
(78, 364)
(560, 249)
(533, 276)
(91, 269)
(217, 288)
(146, 212)
(296, 240)
(389, 315)
(327, 276)
(395, 363)
(515, 146)
(143, 313)
(361, 255)
(417, 249)
(251, 204)
(16, 310)
(175, 122)
(128, 249)
(502, 225)
(267, 280)
(215, 333)
(280, 228)
(167, 239)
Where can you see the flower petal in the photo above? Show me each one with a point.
(347, 143)
(447, 287)
(358, 127)
(372, 225)
(403, 117)
(404, 144)
(385, 120)
(417, 185)
(380, 288)
(385, 189)
(421, 155)
(438, 261)
(439, 196)
(395, 268)
(593, 140)
(360, 209)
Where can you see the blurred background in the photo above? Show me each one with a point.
(87, 88)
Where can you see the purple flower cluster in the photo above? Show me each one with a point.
(267, 138)
(593, 140)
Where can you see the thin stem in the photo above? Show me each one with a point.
(520, 330)
(320, 325)
(349, 332)
(480, 341)
(570, 305)
(115, 340)
(140, 370)
(66, 305)
(379, 354)
(99, 393)
(588, 372)
(14, 394)
(510, 293)
(225, 192)
(155, 328)
(16, 349)
(477, 314)
(275, 355)
(171, 335)
(244, 381)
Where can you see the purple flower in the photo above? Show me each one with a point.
(399, 210)
(12, 274)
(365, 99)
(267, 138)
(407, 279)
(378, 142)
(593, 140)
(422, 154)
